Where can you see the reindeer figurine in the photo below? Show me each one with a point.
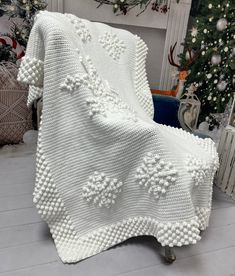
(183, 70)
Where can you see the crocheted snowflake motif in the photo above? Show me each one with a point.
(155, 175)
(104, 99)
(112, 44)
(200, 170)
(80, 27)
(101, 190)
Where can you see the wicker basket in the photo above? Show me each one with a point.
(15, 117)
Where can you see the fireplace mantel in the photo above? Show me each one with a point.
(175, 23)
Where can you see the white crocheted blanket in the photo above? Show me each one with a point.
(105, 170)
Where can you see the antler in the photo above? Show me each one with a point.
(192, 58)
(170, 56)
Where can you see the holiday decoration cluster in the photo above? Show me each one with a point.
(212, 40)
(124, 6)
(13, 44)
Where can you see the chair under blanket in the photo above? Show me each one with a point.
(105, 171)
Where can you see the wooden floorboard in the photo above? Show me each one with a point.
(23, 234)
(217, 263)
(26, 247)
(15, 202)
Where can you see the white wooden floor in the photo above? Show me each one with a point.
(26, 248)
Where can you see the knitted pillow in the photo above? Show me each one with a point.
(15, 117)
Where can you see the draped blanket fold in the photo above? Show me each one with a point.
(105, 171)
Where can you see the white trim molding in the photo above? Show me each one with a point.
(55, 5)
(175, 32)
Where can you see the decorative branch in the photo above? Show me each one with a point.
(124, 6)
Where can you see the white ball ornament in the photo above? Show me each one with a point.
(187, 55)
(221, 86)
(30, 137)
(204, 126)
(221, 24)
(226, 49)
(194, 32)
(216, 59)
(210, 6)
(209, 76)
(233, 51)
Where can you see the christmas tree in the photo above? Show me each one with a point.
(212, 42)
(19, 30)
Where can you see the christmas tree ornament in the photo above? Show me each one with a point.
(194, 32)
(221, 24)
(223, 118)
(221, 86)
(233, 51)
(15, 46)
(204, 126)
(216, 59)
(189, 109)
(182, 69)
(189, 54)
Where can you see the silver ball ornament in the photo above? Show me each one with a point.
(233, 51)
(221, 24)
(216, 59)
(221, 86)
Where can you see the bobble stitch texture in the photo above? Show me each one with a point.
(80, 27)
(141, 82)
(34, 94)
(156, 175)
(178, 234)
(203, 215)
(112, 44)
(51, 207)
(31, 71)
(200, 170)
(101, 190)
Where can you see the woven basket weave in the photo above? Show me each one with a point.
(15, 117)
